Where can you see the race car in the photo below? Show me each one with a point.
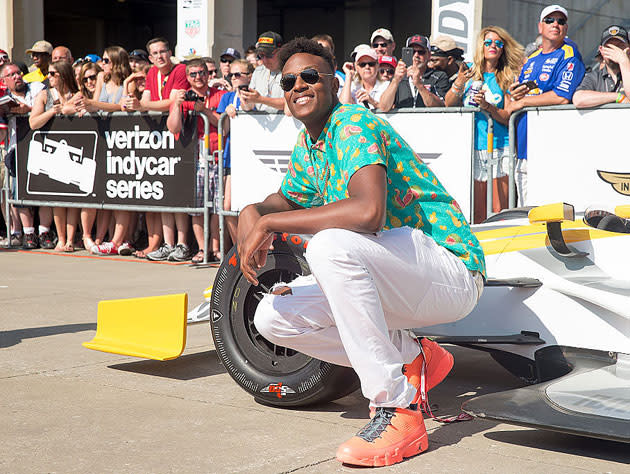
(555, 312)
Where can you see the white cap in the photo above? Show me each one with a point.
(553, 8)
(357, 48)
(364, 50)
(383, 33)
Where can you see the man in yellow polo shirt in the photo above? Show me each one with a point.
(41, 53)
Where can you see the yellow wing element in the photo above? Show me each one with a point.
(619, 181)
(153, 327)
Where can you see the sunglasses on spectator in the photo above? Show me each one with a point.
(53, 73)
(213, 72)
(194, 74)
(310, 76)
(226, 60)
(89, 78)
(499, 44)
(550, 20)
(386, 71)
(4, 57)
(106, 60)
(237, 75)
(421, 52)
(365, 64)
(379, 45)
(261, 55)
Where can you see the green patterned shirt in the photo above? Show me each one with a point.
(354, 137)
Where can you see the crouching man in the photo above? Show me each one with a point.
(391, 250)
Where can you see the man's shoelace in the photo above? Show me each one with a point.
(373, 430)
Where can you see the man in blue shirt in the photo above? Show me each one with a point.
(557, 69)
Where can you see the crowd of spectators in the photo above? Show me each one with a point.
(502, 78)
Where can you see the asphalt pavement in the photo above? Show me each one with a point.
(67, 409)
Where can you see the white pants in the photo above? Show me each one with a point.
(520, 175)
(365, 291)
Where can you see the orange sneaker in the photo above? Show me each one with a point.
(439, 363)
(391, 435)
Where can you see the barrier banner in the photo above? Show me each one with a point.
(262, 144)
(131, 160)
(577, 157)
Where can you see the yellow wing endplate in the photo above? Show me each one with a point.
(152, 328)
(556, 212)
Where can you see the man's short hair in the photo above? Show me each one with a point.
(159, 39)
(6, 65)
(326, 39)
(196, 62)
(305, 45)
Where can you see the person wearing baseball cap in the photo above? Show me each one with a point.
(416, 85)
(41, 53)
(550, 76)
(138, 58)
(362, 85)
(264, 91)
(446, 56)
(386, 67)
(226, 58)
(382, 42)
(607, 84)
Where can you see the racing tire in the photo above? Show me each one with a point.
(274, 375)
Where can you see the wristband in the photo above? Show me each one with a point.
(619, 97)
(457, 91)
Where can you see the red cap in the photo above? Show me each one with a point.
(391, 60)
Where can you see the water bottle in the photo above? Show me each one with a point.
(475, 87)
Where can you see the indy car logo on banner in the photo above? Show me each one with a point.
(277, 388)
(619, 181)
(62, 163)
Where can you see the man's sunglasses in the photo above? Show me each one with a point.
(194, 74)
(236, 75)
(369, 63)
(89, 78)
(386, 71)
(499, 44)
(379, 45)
(213, 72)
(4, 57)
(226, 60)
(310, 76)
(550, 19)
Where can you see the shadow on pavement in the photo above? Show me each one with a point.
(186, 367)
(15, 336)
(565, 443)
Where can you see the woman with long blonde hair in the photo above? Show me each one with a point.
(497, 62)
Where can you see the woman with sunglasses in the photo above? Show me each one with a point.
(497, 61)
(362, 84)
(62, 97)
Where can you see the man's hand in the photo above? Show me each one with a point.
(178, 99)
(517, 92)
(400, 72)
(200, 106)
(615, 54)
(220, 83)
(253, 242)
(251, 96)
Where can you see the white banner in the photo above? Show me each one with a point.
(261, 146)
(192, 28)
(578, 157)
(459, 19)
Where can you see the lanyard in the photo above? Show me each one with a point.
(161, 83)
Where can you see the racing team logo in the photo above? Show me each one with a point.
(277, 388)
(62, 163)
(619, 181)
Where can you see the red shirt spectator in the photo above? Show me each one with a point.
(213, 97)
(160, 85)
